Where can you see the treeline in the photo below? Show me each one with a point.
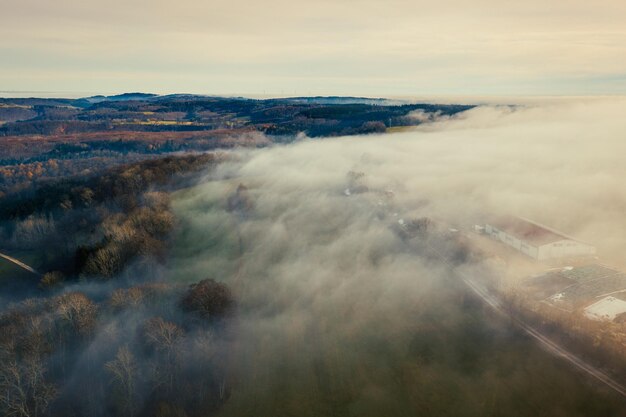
(62, 127)
(51, 127)
(315, 117)
(123, 185)
(320, 120)
(97, 226)
(28, 159)
(18, 176)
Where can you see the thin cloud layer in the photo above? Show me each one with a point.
(350, 47)
(557, 163)
(331, 295)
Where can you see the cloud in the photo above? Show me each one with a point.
(331, 295)
(350, 47)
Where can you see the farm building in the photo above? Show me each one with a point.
(535, 240)
(606, 309)
(573, 288)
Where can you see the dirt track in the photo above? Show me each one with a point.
(19, 263)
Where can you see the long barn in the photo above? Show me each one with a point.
(537, 241)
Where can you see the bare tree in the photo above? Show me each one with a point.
(163, 337)
(24, 391)
(123, 298)
(124, 373)
(209, 299)
(78, 311)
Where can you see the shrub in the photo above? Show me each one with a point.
(208, 299)
(51, 279)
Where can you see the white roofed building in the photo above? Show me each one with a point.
(537, 241)
(606, 309)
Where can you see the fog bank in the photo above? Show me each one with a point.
(339, 312)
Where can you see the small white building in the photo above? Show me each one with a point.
(606, 309)
(537, 241)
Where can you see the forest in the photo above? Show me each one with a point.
(161, 335)
(44, 139)
(95, 225)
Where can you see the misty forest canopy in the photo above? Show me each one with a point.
(50, 138)
(201, 256)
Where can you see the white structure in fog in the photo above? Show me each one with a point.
(606, 309)
(537, 241)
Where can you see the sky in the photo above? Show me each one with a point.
(348, 47)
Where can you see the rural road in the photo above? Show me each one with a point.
(549, 345)
(544, 341)
(19, 263)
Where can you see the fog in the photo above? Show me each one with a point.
(337, 270)
(340, 313)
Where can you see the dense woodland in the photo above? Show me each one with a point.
(42, 139)
(162, 354)
(149, 349)
(96, 225)
(324, 116)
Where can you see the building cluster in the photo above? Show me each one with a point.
(599, 291)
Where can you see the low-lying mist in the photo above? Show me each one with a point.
(341, 313)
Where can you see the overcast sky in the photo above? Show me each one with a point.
(343, 47)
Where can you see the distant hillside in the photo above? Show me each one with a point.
(120, 97)
(314, 116)
(47, 138)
